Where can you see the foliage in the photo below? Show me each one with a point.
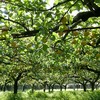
(42, 43)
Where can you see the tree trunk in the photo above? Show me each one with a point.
(52, 87)
(65, 87)
(23, 88)
(32, 88)
(84, 87)
(49, 87)
(15, 86)
(92, 86)
(60, 87)
(44, 87)
(4, 87)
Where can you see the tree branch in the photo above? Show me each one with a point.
(84, 16)
(90, 4)
(60, 3)
(26, 34)
(80, 29)
(21, 24)
(68, 9)
(90, 69)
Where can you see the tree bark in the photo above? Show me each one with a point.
(92, 86)
(60, 87)
(32, 88)
(84, 87)
(4, 87)
(52, 87)
(23, 87)
(44, 87)
(49, 87)
(84, 16)
(65, 87)
(15, 86)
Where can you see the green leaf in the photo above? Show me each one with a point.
(45, 47)
(52, 37)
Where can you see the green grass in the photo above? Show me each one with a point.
(57, 95)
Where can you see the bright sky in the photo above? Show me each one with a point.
(50, 3)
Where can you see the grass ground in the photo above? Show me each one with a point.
(57, 95)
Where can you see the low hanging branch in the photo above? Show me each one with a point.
(91, 70)
(21, 24)
(26, 34)
(80, 29)
(34, 32)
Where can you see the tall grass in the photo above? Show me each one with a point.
(64, 95)
(11, 96)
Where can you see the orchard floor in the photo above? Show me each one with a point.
(56, 95)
